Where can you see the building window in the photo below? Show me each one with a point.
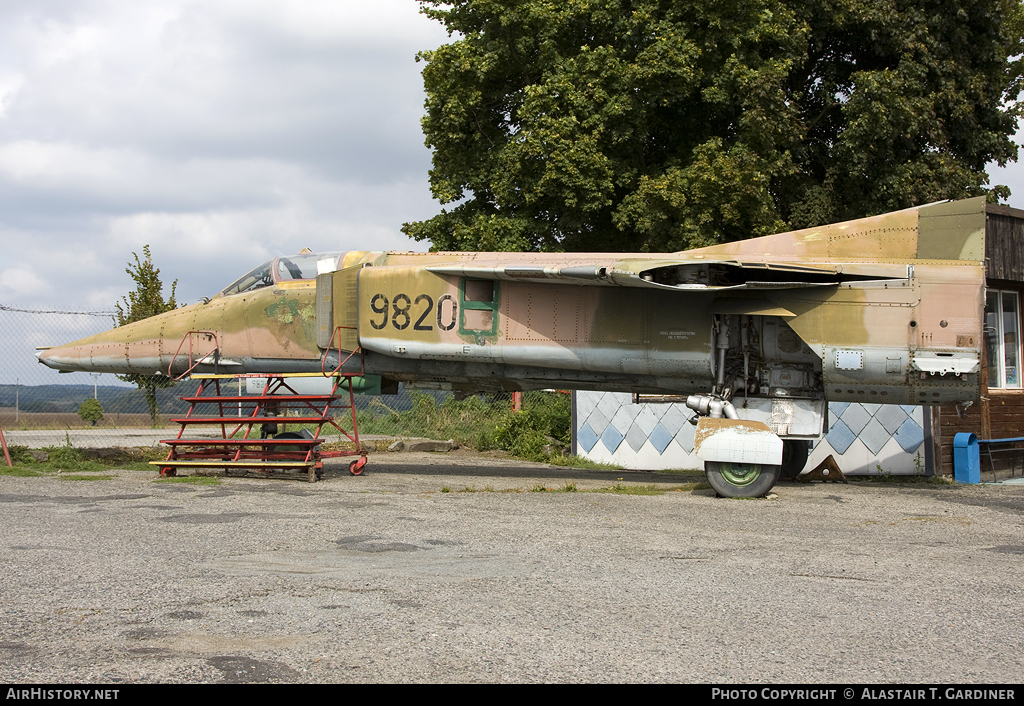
(1002, 339)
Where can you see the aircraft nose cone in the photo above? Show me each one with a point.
(111, 352)
(80, 356)
(145, 347)
(61, 358)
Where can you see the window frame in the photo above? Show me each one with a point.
(466, 305)
(1007, 377)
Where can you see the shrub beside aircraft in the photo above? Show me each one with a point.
(760, 334)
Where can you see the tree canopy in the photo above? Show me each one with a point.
(145, 301)
(658, 125)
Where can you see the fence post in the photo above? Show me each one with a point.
(7, 454)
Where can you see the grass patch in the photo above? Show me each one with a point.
(345, 446)
(622, 489)
(67, 458)
(89, 477)
(20, 471)
(566, 488)
(474, 489)
(65, 465)
(580, 462)
(907, 479)
(137, 465)
(694, 472)
(193, 480)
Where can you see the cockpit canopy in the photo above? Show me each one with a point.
(285, 269)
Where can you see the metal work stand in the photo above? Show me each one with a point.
(268, 454)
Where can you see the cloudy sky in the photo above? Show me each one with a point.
(219, 132)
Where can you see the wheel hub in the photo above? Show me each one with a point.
(740, 474)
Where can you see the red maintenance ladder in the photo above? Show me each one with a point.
(269, 454)
(249, 442)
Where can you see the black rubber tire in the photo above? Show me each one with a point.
(356, 469)
(741, 480)
(285, 448)
(795, 453)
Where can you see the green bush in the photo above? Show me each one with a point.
(546, 417)
(521, 434)
(481, 422)
(91, 411)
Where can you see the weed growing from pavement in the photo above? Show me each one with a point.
(20, 471)
(194, 480)
(470, 489)
(67, 458)
(580, 462)
(621, 489)
(883, 476)
(617, 489)
(692, 472)
(914, 479)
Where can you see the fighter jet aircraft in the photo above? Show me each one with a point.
(760, 334)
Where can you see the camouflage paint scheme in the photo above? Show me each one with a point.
(886, 309)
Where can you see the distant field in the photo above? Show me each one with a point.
(68, 420)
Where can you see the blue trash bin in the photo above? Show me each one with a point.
(966, 458)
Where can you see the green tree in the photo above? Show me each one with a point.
(91, 411)
(652, 125)
(145, 301)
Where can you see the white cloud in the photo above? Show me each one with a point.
(10, 83)
(21, 282)
(220, 133)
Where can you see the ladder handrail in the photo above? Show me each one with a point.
(358, 349)
(192, 366)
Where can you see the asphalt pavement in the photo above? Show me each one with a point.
(458, 568)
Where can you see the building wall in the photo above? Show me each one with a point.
(865, 439)
(999, 416)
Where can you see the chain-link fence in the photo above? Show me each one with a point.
(41, 408)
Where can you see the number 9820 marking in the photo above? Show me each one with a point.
(399, 314)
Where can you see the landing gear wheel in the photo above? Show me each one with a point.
(284, 448)
(794, 457)
(741, 480)
(357, 467)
